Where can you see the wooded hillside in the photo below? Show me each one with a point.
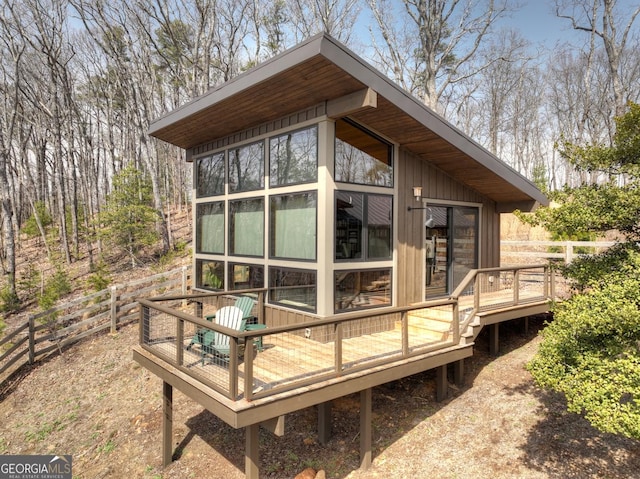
(80, 81)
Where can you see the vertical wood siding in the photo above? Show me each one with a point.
(436, 185)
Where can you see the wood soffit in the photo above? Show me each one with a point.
(321, 70)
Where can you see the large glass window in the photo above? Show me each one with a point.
(294, 157)
(293, 226)
(210, 175)
(246, 167)
(362, 157)
(210, 274)
(363, 226)
(210, 227)
(246, 227)
(295, 288)
(246, 276)
(362, 289)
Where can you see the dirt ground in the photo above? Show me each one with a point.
(95, 403)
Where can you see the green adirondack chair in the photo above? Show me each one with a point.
(219, 344)
(244, 303)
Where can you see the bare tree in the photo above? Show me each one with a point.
(335, 17)
(429, 45)
(605, 20)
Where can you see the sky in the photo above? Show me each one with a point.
(536, 21)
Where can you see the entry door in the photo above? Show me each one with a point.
(451, 247)
(465, 243)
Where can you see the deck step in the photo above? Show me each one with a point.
(434, 328)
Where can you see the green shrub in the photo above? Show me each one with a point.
(591, 351)
(30, 227)
(100, 278)
(9, 301)
(55, 287)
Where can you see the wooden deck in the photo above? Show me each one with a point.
(296, 366)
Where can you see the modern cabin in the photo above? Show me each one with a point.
(354, 215)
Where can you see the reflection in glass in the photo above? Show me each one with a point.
(210, 274)
(295, 288)
(349, 221)
(210, 227)
(246, 276)
(379, 227)
(362, 289)
(294, 157)
(210, 175)
(246, 167)
(362, 157)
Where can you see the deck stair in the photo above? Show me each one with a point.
(471, 333)
(432, 323)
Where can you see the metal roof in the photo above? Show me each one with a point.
(321, 70)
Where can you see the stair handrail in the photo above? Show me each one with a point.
(472, 277)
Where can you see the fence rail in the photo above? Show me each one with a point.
(67, 323)
(514, 251)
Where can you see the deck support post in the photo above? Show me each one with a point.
(366, 400)
(458, 372)
(324, 422)
(167, 423)
(494, 339)
(441, 383)
(251, 452)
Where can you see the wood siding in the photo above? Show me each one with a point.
(436, 185)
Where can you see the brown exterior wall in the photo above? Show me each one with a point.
(437, 186)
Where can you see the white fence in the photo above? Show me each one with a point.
(518, 252)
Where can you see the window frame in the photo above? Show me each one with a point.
(293, 304)
(273, 227)
(273, 184)
(199, 231)
(232, 226)
(365, 228)
(202, 159)
(390, 154)
(262, 173)
(385, 270)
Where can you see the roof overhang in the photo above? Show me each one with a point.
(323, 70)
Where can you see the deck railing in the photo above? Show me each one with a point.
(286, 357)
(267, 361)
(493, 289)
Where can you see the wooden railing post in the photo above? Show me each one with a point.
(184, 279)
(404, 317)
(248, 368)
(476, 292)
(143, 309)
(32, 339)
(260, 307)
(233, 367)
(456, 324)
(338, 349)
(516, 286)
(114, 310)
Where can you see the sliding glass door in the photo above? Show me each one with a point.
(451, 247)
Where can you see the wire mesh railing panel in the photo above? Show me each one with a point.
(293, 357)
(379, 338)
(495, 289)
(532, 285)
(202, 360)
(427, 327)
(160, 332)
